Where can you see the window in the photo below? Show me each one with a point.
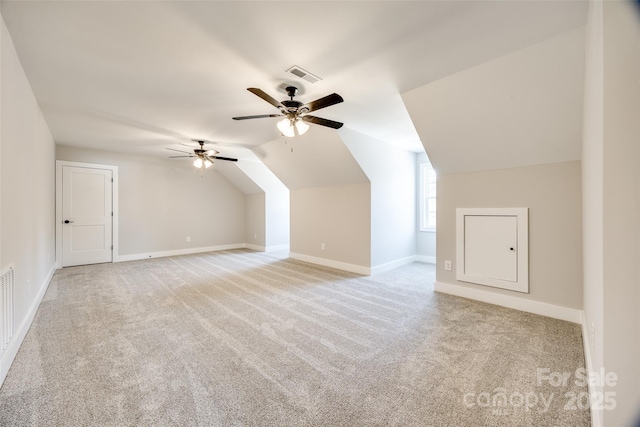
(427, 197)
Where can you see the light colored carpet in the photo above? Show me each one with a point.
(244, 338)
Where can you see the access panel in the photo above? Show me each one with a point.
(492, 247)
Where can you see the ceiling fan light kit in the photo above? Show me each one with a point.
(199, 163)
(204, 158)
(292, 127)
(295, 113)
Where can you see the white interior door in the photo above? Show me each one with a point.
(86, 216)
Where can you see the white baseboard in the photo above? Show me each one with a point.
(596, 420)
(188, 251)
(275, 248)
(535, 307)
(12, 349)
(383, 268)
(426, 258)
(358, 269)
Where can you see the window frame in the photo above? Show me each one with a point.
(425, 196)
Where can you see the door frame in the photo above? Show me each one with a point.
(114, 205)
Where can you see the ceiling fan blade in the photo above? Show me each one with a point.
(261, 116)
(175, 157)
(262, 94)
(222, 158)
(179, 151)
(327, 101)
(193, 147)
(322, 122)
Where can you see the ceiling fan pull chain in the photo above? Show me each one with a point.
(287, 141)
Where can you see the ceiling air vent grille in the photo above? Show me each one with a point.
(303, 74)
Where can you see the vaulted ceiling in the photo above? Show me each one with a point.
(143, 76)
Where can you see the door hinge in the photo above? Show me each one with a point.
(111, 213)
(111, 179)
(111, 247)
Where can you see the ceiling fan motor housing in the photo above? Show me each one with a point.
(296, 111)
(292, 106)
(291, 91)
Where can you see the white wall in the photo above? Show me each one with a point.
(592, 197)
(255, 221)
(552, 194)
(425, 240)
(249, 177)
(330, 198)
(611, 184)
(27, 193)
(275, 203)
(277, 216)
(162, 201)
(338, 216)
(392, 173)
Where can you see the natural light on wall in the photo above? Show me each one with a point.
(427, 197)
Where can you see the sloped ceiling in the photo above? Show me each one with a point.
(524, 108)
(233, 173)
(141, 76)
(315, 159)
(259, 173)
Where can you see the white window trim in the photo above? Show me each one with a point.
(423, 197)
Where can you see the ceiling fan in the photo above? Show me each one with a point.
(295, 113)
(203, 157)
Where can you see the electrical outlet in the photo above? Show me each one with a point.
(447, 265)
(322, 246)
(188, 238)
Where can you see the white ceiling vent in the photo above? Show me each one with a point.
(303, 74)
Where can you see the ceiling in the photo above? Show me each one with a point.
(142, 76)
(522, 109)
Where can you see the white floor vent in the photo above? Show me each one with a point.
(7, 297)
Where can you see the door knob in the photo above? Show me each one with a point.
(66, 221)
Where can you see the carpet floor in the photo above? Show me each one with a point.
(242, 338)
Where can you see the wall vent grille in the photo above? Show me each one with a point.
(303, 74)
(7, 305)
